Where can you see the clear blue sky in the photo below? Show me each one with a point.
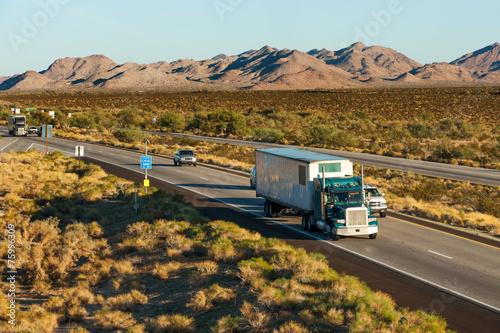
(34, 33)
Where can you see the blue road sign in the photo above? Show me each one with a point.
(146, 162)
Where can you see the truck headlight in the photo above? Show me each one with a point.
(372, 219)
(340, 221)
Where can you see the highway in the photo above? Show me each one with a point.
(447, 171)
(421, 268)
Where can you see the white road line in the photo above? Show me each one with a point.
(204, 178)
(8, 145)
(31, 145)
(179, 172)
(439, 254)
(62, 151)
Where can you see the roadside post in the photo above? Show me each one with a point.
(79, 153)
(46, 133)
(146, 163)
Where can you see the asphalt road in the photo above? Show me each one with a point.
(454, 172)
(419, 267)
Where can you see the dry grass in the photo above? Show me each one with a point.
(172, 323)
(114, 319)
(126, 302)
(206, 299)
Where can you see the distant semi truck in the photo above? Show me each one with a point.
(321, 187)
(17, 125)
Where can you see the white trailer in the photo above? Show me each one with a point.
(285, 175)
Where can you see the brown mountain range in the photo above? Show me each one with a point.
(355, 66)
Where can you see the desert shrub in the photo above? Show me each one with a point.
(227, 324)
(255, 318)
(269, 134)
(36, 319)
(126, 302)
(175, 323)
(114, 319)
(130, 116)
(206, 299)
(291, 327)
(249, 270)
(164, 271)
(83, 121)
(207, 267)
(130, 134)
(172, 121)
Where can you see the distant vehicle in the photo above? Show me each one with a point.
(376, 200)
(17, 125)
(40, 131)
(252, 178)
(185, 156)
(33, 130)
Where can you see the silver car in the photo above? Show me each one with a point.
(185, 156)
(376, 200)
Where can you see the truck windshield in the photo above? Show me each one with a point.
(374, 192)
(345, 197)
(185, 152)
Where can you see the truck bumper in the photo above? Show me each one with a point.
(363, 230)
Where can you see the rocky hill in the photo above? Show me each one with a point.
(355, 66)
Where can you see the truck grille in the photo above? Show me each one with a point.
(356, 216)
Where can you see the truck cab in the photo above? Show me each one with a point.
(340, 209)
(17, 125)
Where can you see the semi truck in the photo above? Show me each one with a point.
(322, 188)
(17, 125)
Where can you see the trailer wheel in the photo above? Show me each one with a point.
(373, 236)
(266, 208)
(305, 220)
(274, 210)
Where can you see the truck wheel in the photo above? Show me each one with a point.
(266, 208)
(383, 214)
(274, 210)
(305, 220)
(334, 236)
(373, 236)
(310, 226)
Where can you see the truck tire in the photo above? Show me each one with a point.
(383, 214)
(274, 210)
(305, 221)
(266, 208)
(334, 236)
(373, 236)
(310, 225)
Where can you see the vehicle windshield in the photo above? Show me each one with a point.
(374, 192)
(186, 152)
(345, 197)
